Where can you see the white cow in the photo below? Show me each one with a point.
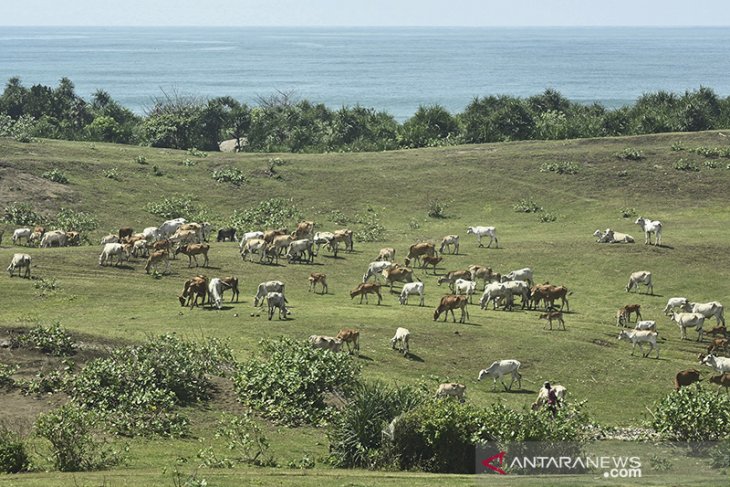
(376, 269)
(325, 343)
(451, 389)
(720, 364)
(20, 261)
(21, 233)
(501, 368)
(402, 337)
(249, 236)
(484, 232)
(411, 288)
(524, 274)
(111, 238)
(649, 227)
(519, 288)
(169, 227)
(689, 320)
(640, 337)
(54, 237)
(266, 287)
(215, 291)
(640, 277)
(302, 249)
(253, 246)
(493, 292)
(448, 241)
(675, 303)
(708, 310)
(277, 301)
(609, 236)
(151, 234)
(112, 250)
(645, 325)
(462, 286)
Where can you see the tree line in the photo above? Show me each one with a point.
(283, 123)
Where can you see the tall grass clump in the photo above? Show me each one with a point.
(563, 167)
(14, 456)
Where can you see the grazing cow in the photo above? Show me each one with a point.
(194, 289)
(427, 260)
(722, 380)
(228, 234)
(248, 236)
(112, 250)
(501, 368)
(325, 343)
(484, 273)
(111, 238)
(140, 249)
(416, 251)
(387, 254)
(365, 288)
(398, 274)
(450, 303)
(411, 288)
(719, 364)
(376, 269)
(689, 320)
(267, 287)
(215, 292)
(318, 278)
(464, 286)
(649, 227)
(447, 242)
(452, 276)
(155, 258)
(480, 232)
(192, 251)
(718, 345)
(348, 336)
(686, 377)
(522, 289)
(304, 230)
(542, 396)
(553, 315)
(708, 310)
(640, 277)
(300, 250)
(675, 303)
(151, 234)
(718, 330)
(520, 275)
(54, 237)
(125, 232)
(231, 283)
(253, 246)
(495, 291)
(639, 337)
(276, 300)
(345, 236)
(269, 235)
(18, 262)
(402, 337)
(623, 315)
(21, 233)
(451, 389)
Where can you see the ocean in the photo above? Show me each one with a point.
(391, 69)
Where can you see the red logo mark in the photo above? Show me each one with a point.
(488, 463)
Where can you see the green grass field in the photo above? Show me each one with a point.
(482, 183)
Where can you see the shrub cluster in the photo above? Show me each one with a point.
(563, 167)
(55, 175)
(79, 221)
(692, 414)
(271, 213)
(527, 205)
(177, 207)
(21, 214)
(53, 340)
(684, 165)
(14, 456)
(630, 154)
(288, 381)
(230, 175)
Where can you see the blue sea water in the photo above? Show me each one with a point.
(392, 69)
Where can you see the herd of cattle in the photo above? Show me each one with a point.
(159, 244)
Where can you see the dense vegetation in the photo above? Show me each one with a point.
(282, 123)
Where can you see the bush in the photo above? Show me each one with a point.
(197, 153)
(547, 217)
(712, 164)
(288, 381)
(357, 431)
(627, 212)
(230, 175)
(140, 160)
(55, 175)
(73, 434)
(242, 436)
(53, 340)
(78, 221)
(21, 129)
(177, 207)
(112, 173)
(47, 382)
(21, 214)
(371, 229)
(271, 213)
(683, 165)
(630, 154)
(14, 457)
(692, 414)
(720, 456)
(527, 206)
(563, 167)
(437, 208)
(6, 375)
(711, 151)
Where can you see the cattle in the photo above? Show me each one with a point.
(524, 274)
(215, 291)
(192, 251)
(387, 254)
(253, 246)
(397, 274)
(689, 320)
(553, 315)
(325, 343)
(645, 325)
(480, 232)
(649, 227)
(350, 336)
(318, 278)
(428, 260)
(151, 234)
(194, 289)
(376, 269)
(281, 243)
(304, 230)
(140, 248)
(325, 238)
(675, 303)
(708, 310)
(266, 287)
(125, 232)
(623, 315)
(365, 288)
(20, 234)
(169, 227)
(202, 230)
(640, 337)
(20, 262)
(345, 236)
(248, 236)
(73, 238)
(226, 234)
(54, 238)
(447, 242)
(155, 258)
(718, 330)
(499, 369)
(111, 238)
(640, 277)
(722, 380)
(466, 287)
(609, 236)
(269, 235)
(719, 364)
(412, 288)
(718, 345)
(274, 301)
(484, 273)
(402, 338)
(185, 237)
(685, 378)
(450, 303)
(496, 291)
(452, 276)
(542, 396)
(300, 250)
(416, 251)
(112, 250)
(451, 389)
(522, 289)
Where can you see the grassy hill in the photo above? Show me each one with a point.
(481, 185)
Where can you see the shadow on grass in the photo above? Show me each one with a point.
(363, 357)
(414, 357)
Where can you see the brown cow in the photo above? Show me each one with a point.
(232, 282)
(722, 380)
(155, 258)
(344, 235)
(318, 278)
(193, 289)
(125, 232)
(398, 274)
(554, 315)
(416, 251)
(687, 377)
(269, 235)
(450, 303)
(192, 251)
(349, 335)
(623, 315)
(365, 288)
(305, 229)
(718, 344)
(452, 276)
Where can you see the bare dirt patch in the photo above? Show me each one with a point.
(22, 187)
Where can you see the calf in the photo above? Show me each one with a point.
(623, 315)
(501, 368)
(452, 276)
(686, 377)
(325, 343)
(365, 288)
(641, 277)
(274, 301)
(554, 315)
(154, 260)
(452, 389)
(432, 261)
(447, 242)
(350, 336)
(266, 287)
(318, 278)
(450, 303)
(387, 253)
(718, 330)
(718, 345)
(402, 337)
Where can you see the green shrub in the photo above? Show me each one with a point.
(55, 175)
(78, 221)
(711, 151)
(437, 208)
(712, 164)
(75, 441)
(627, 212)
(692, 414)
(47, 382)
(112, 173)
(370, 229)
(562, 167)
(677, 147)
(630, 154)
(189, 162)
(547, 217)
(271, 213)
(142, 160)
(244, 438)
(683, 165)
(21, 214)
(177, 207)
(53, 340)
(21, 129)
(6, 375)
(527, 206)
(356, 434)
(230, 175)
(720, 455)
(197, 153)
(14, 456)
(156, 171)
(287, 381)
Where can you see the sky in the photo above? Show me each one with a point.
(471, 13)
